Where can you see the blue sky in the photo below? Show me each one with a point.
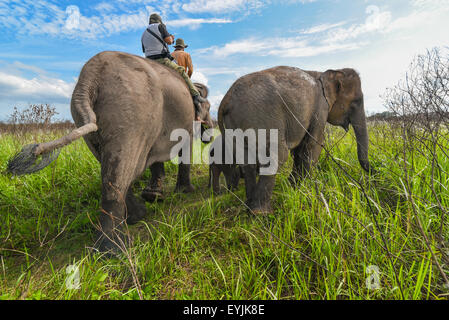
(44, 44)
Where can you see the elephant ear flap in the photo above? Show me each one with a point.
(332, 83)
(203, 90)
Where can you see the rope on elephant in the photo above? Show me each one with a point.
(26, 161)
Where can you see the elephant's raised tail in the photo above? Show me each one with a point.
(35, 157)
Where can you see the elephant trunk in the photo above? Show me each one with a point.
(358, 121)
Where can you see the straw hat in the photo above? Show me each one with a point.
(180, 43)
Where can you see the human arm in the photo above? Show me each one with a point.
(168, 38)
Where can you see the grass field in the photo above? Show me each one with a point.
(341, 234)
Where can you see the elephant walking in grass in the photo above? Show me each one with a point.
(298, 104)
(125, 108)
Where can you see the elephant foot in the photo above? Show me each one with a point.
(185, 188)
(151, 195)
(111, 244)
(259, 209)
(262, 211)
(136, 213)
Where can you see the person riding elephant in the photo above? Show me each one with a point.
(296, 104)
(183, 58)
(154, 40)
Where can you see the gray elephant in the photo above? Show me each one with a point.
(298, 104)
(125, 107)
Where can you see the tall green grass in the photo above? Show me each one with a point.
(319, 243)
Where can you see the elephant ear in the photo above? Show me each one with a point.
(203, 90)
(332, 84)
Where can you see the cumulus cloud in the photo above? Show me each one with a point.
(220, 6)
(280, 47)
(226, 6)
(50, 18)
(322, 27)
(198, 76)
(215, 101)
(22, 82)
(196, 22)
(377, 21)
(330, 38)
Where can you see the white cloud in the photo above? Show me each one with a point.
(377, 21)
(195, 22)
(35, 88)
(322, 27)
(215, 101)
(239, 47)
(221, 6)
(198, 76)
(226, 6)
(37, 85)
(280, 47)
(45, 17)
(307, 45)
(104, 7)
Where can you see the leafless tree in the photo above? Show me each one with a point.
(420, 104)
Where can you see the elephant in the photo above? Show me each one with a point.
(232, 172)
(125, 107)
(154, 190)
(298, 104)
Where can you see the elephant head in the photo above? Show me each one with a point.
(205, 111)
(205, 106)
(343, 92)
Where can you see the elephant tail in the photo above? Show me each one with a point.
(35, 157)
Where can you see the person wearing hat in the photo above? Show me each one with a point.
(183, 58)
(155, 41)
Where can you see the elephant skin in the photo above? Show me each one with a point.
(154, 190)
(232, 172)
(125, 107)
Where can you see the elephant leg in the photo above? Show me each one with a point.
(298, 170)
(232, 175)
(250, 176)
(261, 199)
(135, 208)
(262, 195)
(307, 153)
(183, 183)
(154, 190)
(118, 171)
(214, 177)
